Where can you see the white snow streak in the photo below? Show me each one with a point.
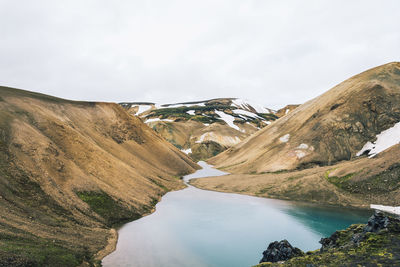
(384, 140)
(285, 138)
(227, 118)
(157, 119)
(390, 209)
(201, 104)
(143, 108)
(187, 151)
(247, 113)
(303, 146)
(244, 104)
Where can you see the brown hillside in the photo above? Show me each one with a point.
(328, 129)
(69, 171)
(359, 182)
(285, 110)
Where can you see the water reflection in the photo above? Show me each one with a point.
(325, 220)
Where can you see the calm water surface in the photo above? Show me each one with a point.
(194, 227)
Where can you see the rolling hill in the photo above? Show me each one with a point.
(70, 171)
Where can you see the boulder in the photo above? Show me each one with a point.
(280, 251)
(376, 222)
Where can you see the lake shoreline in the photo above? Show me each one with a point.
(302, 202)
(164, 229)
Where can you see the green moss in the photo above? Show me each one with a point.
(292, 178)
(386, 181)
(34, 251)
(264, 190)
(268, 116)
(204, 119)
(111, 210)
(159, 185)
(341, 182)
(375, 249)
(278, 172)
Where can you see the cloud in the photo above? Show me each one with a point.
(273, 52)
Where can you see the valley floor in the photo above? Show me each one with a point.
(356, 183)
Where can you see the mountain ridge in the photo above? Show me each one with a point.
(203, 128)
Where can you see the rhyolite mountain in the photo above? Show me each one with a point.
(328, 129)
(339, 148)
(70, 171)
(203, 129)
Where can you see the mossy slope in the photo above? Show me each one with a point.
(354, 247)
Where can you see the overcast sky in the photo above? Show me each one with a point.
(272, 52)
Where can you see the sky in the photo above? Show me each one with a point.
(273, 52)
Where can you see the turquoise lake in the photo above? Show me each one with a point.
(194, 227)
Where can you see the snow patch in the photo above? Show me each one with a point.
(227, 118)
(247, 113)
(384, 140)
(245, 104)
(202, 138)
(143, 108)
(300, 154)
(390, 209)
(285, 138)
(152, 120)
(287, 111)
(190, 112)
(222, 139)
(187, 151)
(157, 119)
(201, 104)
(302, 146)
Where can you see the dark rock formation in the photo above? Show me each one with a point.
(376, 222)
(330, 242)
(280, 251)
(374, 244)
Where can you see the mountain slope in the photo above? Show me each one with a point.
(69, 171)
(204, 128)
(341, 148)
(328, 129)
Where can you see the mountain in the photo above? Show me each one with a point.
(325, 130)
(203, 129)
(70, 171)
(339, 148)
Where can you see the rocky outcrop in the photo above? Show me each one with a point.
(377, 222)
(280, 251)
(374, 244)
